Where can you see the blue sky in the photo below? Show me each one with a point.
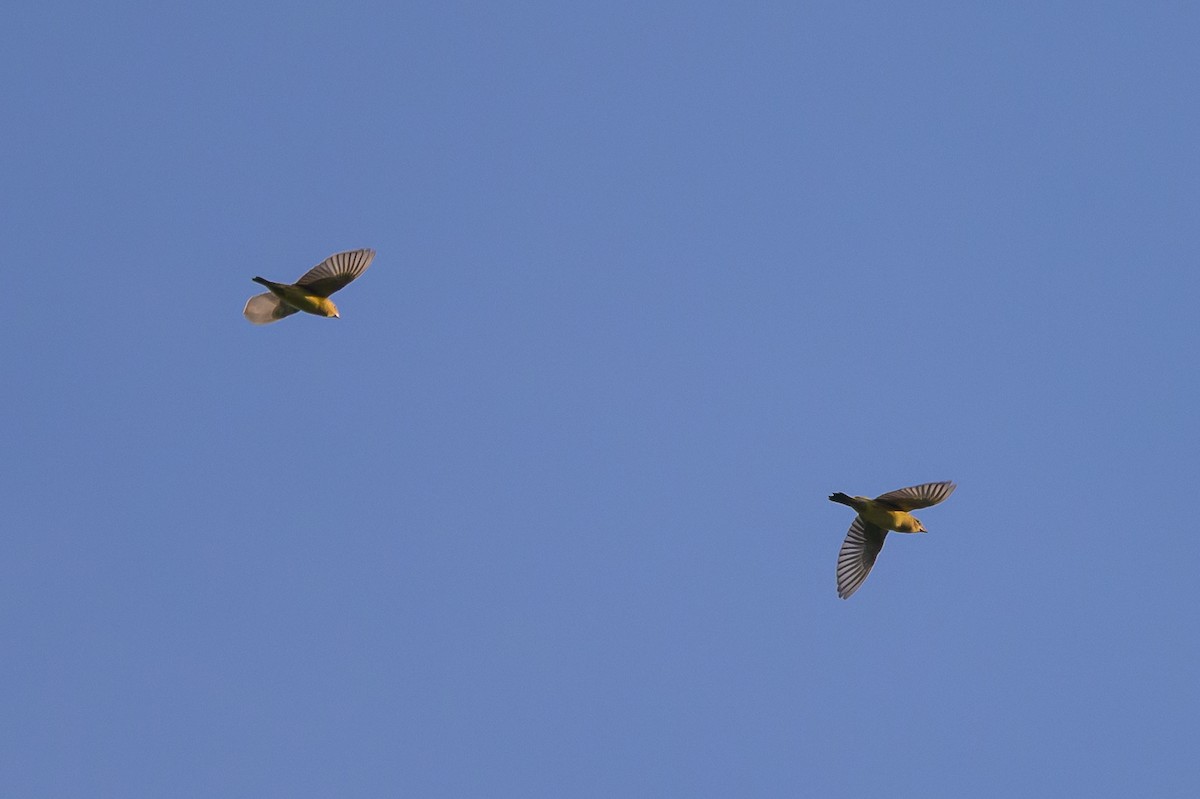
(544, 514)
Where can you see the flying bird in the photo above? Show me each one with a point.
(875, 517)
(311, 292)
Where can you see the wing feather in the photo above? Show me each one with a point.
(915, 497)
(857, 556)
(336, 271)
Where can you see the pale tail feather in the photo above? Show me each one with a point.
(262, 309)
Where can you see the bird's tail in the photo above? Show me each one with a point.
(262, 280)
(841, 498)
(262, 309)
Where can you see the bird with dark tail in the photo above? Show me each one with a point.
(875, 518)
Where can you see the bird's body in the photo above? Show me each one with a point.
(875, 518)
(311, 292)
(880, 515)
(301, 300)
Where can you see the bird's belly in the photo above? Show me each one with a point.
(896, 520)
(300, 300)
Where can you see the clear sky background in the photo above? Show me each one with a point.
(544, 514)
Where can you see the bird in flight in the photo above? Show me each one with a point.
(875, 517)
(311, 292)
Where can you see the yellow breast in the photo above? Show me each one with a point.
(896, 520)
(301, 300)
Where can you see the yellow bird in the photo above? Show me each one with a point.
(311, 292)
(888, 511)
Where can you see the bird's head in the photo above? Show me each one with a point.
(330, 309)
(920, 527)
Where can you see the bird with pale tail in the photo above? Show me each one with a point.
(875, 518)
(311, 292)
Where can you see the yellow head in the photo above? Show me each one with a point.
(328, 309)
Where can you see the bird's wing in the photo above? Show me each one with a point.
(921, 496)
(862, 544)
(262, 309)
(335, 272)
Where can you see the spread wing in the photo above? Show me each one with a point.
(921, 496)
(262, 309)
(862, 544)
(336, 271)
